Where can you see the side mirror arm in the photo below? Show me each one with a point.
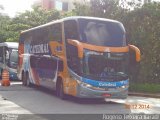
(137, 52)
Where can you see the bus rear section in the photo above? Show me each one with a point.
(9, 58)
(84, 57)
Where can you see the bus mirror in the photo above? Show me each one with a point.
(134, 60)
(78, 45)
(135, 55)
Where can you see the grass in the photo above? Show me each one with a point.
(146, 88)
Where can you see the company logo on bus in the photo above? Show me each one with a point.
(41, 48)
(107, 84)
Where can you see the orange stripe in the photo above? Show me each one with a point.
(105, 49)
(82, 46)
(137, 51)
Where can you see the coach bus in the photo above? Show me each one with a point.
(9, 58)
(86, 57)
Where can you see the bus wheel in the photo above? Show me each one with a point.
(60, 90)
(27, 80)
(24, 82)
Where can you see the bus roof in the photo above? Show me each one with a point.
(10, 44)
(93, 18)
(71, 18)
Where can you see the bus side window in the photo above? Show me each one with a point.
(71, 30)
(55, 33)
(13, 59)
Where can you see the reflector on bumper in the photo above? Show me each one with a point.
(106, 95)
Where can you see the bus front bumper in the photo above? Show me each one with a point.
(85, 92)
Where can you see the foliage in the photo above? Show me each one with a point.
(81, 10)
(105, 8)
(145, 88)
(143, 28)
(11, 28)
(4, 23)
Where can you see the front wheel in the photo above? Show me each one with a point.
(24, 79)
(59, 90)
(28, 80)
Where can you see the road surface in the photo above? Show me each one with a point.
(19, 99)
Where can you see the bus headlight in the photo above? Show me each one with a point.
(86, 85)
(83, 84)
(79, 82)
(125, 86)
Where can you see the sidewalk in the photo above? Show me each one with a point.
(144, 94)
(12, 111)
(9, 107)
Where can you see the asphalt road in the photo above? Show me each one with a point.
(32, 100)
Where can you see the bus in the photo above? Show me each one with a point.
(85, 57)
(9, 58)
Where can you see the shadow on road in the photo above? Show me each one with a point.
(75, 99)
(40, 100)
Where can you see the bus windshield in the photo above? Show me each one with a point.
(13, 60)
(101, 33)
(14, 56)
(105, 66)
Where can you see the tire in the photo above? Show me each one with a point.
(24, 82)
(60, 91)
(25, 79)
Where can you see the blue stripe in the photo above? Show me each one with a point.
(105, 84)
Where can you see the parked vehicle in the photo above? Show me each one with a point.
(9, 58)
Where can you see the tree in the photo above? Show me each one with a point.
(81, 9)
(143, 26)
(28, 19)
(4, 23)
(36, 17)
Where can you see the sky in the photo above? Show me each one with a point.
(11, 7)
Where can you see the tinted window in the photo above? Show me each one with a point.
(43, 35)
(102, 33)
(56, 32)
(14, 56)
(39, 36)
(71, 30)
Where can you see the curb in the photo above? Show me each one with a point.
(145, 95)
